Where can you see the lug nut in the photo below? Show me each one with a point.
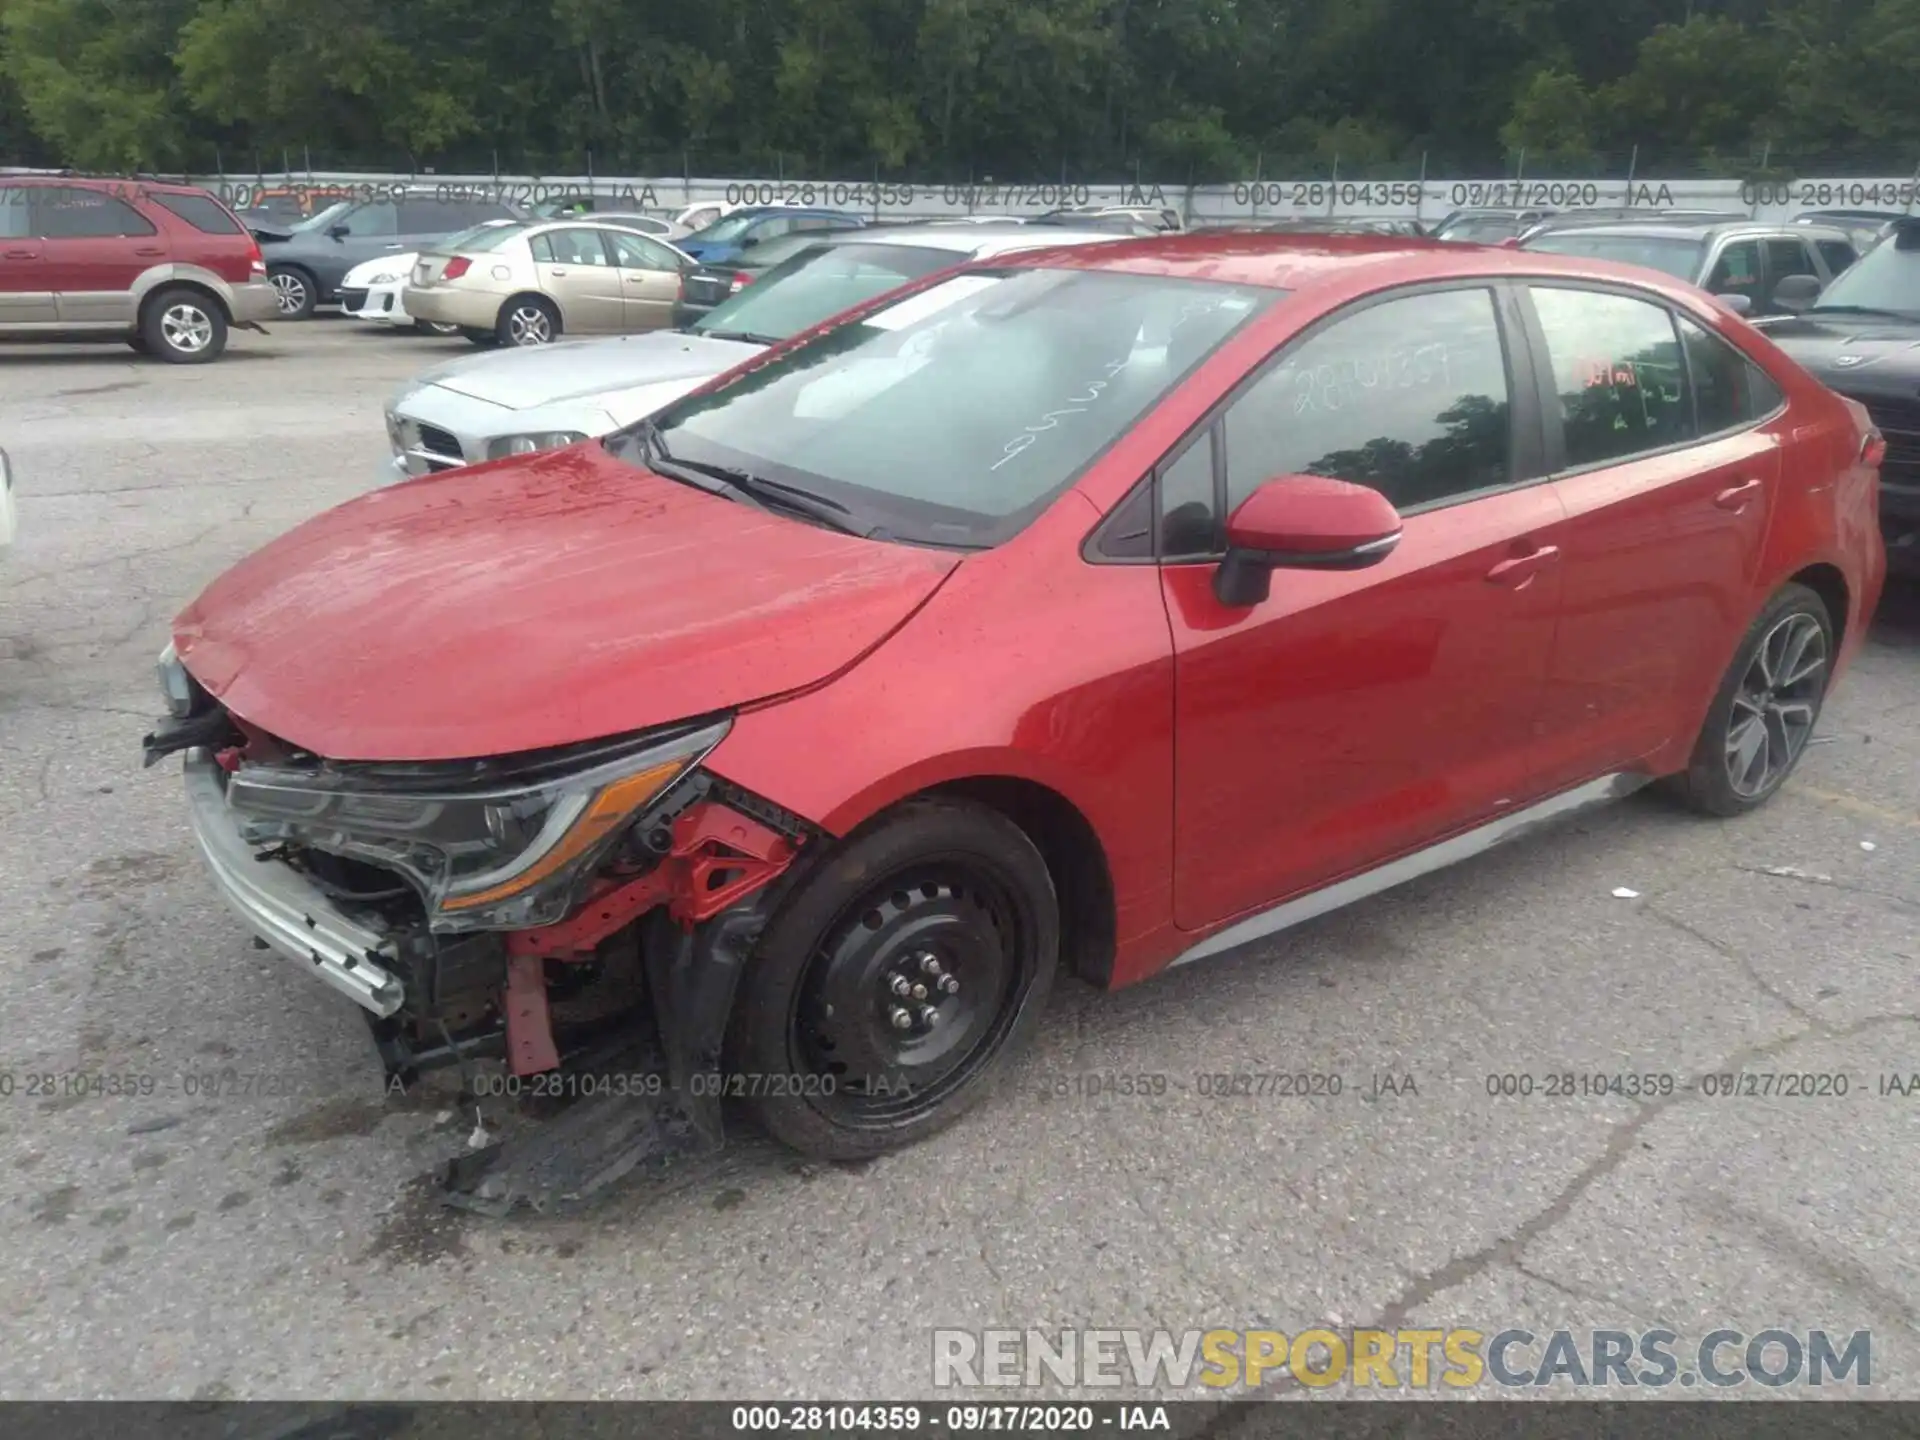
(930, 964)
(902, 986)
(949, 985)
(919, 992)
(928, 1015)
(901, 1019)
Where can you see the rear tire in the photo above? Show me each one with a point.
(528, 320)
(183, 327)
(943, 915)
(1765, 710)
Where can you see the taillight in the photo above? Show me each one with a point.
(1873, 449)
(256, 261)
(741, 279)
(456, 267)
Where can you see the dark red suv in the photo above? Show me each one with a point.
(167, 268)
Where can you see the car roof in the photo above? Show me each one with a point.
(1294, 262)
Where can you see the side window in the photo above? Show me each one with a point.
(1737, 272)
(1838, 255)
(1408, 396)
(433, 217)
(573, 247)
(64, 214)
(202, 212)
(1618, 373)
(1188, 523)
(1787, 256)
(13, 213)
(772, 228)
(814, 224)
(637, 252)
(375, 218)
(1729, 389)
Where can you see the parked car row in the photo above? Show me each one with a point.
(1126, 560)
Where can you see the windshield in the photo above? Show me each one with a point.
(724, 231)
(954, 415)
(1676, 256)
(326, 217)
(1887, 277)
(818, 283)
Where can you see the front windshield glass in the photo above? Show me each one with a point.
(818, 283)
(1887, 278)
(954, 415)
(1673, 255)
(724, 231)
(326, 217)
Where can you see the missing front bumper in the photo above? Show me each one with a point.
(285, 909)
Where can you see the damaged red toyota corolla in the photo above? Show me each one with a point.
(1098, 609)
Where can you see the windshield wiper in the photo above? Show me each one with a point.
(748, 337)
(757, 490)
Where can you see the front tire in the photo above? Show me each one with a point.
(528, 320)
(889, 993)
(294, 291)
(1765, 710)
(183, 327)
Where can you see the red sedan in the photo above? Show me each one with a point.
(1103, 609)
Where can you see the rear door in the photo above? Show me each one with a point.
(1668, 480)
(576, 270)
(650, 279)
(25, 296)
(95, 245)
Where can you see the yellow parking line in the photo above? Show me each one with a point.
(1865, 809)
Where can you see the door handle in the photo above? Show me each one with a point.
(1739, 496)
(1518, 571)
(149, 250)
(558, 274)
(394, 246)
(22, 254)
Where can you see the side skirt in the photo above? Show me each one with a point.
(1463, 846)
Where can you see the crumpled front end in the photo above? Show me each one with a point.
(573, 913)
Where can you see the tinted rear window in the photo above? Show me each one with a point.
(1672, 255)
(202, 212)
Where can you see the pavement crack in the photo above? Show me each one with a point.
(1783, 872)
(1739, 958)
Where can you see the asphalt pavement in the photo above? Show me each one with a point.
(279, 1237)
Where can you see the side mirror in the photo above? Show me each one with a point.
(1302, 522)
(1738, 304)
(747, 242)
(339, 232)
(1797, 292)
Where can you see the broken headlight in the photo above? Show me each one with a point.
(504, 445)
(488, 845)
(175, 683)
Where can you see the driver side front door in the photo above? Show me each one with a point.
(1356, 716)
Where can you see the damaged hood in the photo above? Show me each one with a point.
(536, 602)
(527, 378)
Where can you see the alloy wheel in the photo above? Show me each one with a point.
(1776, 704)
(187, 328)
(289, 292)
(909, 995)
(529, 325)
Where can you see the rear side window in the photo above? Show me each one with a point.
(62, 213)
(1729, 390)
(1408, 396)
(1837, 253)
(202, 212)
(1618, 371)
(569, 247)
(13, 213)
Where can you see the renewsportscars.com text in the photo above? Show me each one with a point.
(1407, 1359)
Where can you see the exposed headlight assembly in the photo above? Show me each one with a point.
(502, 446)
(502, 846)
(175, 683)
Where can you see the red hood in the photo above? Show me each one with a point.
(532, 603)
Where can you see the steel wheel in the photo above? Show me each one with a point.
(528, 323)
(290, 293)
(186, 327)
(1775, 705)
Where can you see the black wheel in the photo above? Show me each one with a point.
(1765, 710)
(293, 290)
(183, 327)
(893, 985)
(138, 345)
(528, 320)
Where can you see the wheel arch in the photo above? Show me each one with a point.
(547, 302)
(197, 287)
(1830, 584)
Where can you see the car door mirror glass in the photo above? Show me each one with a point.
(339, 232)
(1303, 522)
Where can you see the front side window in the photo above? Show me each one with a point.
(375, 218)
(1618, 371)
(1409, 396)
(819, 283)
(62, 213)
(1737, 271)
(954, 415)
